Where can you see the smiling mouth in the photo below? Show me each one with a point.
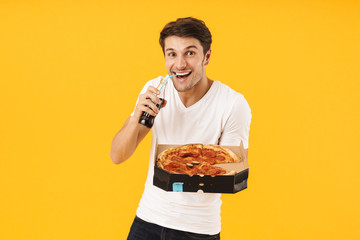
(183, 75)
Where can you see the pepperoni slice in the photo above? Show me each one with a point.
(180, 160)
(172, 166)
(210, 160)
(201, 171)
(189, 154)
(216, 171)
(181, 169)
(206, 167)
(209, 153)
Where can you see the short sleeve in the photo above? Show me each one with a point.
(237, 124)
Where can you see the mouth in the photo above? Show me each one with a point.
(182, 76)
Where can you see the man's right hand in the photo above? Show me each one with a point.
(132, 133)
(146, 103)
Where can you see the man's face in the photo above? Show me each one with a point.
(184, 56)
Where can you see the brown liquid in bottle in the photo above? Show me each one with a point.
(148, 120)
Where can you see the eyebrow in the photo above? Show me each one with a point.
(188, 47)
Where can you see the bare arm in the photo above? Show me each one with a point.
(132, 133)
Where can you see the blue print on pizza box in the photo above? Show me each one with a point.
(178, 186)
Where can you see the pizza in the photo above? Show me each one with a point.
(196, 159)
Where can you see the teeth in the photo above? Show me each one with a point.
(182, 74)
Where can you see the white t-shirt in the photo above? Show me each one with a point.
(222, 116)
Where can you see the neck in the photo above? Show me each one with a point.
(193, 95)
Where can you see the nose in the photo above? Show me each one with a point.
(180, 63)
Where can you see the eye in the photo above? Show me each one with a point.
(190, 53)
(171, 54)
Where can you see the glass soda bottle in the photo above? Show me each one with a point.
(146, 119)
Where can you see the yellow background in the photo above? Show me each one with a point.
(70, 75)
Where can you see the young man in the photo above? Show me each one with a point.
(197, 110)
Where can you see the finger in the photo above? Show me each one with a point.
(144, 108)
(149, 95)
(153, 90)
(147, 110)
(153, 94)
(156, 100)
(148, 104)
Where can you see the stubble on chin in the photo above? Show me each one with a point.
(182, 89)
(187, 88)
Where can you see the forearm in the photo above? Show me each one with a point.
(127, 139)
(132, 133)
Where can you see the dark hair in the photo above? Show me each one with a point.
(187, 27)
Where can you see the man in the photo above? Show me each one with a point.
(197, 110)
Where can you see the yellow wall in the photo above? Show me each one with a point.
(70, 73)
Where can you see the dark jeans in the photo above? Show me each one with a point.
(141, 230)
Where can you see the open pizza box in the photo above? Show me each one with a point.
(233, 183)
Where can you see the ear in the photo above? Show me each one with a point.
(207, 57)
